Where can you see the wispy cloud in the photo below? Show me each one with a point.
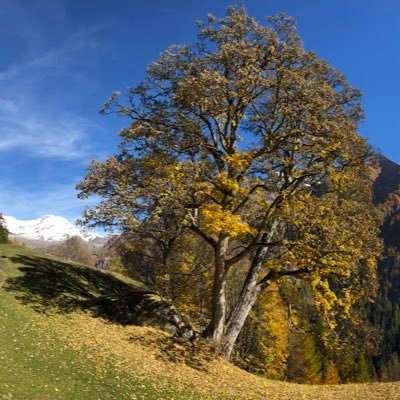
(36, 105)
(39, 135)
(47, 133)
(59, 57)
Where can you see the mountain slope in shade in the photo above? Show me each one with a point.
(49, 228)
(387, 180)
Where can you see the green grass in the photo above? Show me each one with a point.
(54, 345)
(34, 362)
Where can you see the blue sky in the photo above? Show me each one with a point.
(60, 60)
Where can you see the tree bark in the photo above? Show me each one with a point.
(238, 318)
(250, 292)
(218, 317)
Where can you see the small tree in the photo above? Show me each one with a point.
(3, 231)
(75, 249)
(250, 142)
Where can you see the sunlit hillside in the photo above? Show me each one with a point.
(53, 347)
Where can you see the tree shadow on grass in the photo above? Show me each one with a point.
(52, 286)
(55, 286)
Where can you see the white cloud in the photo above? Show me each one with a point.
(40, 135)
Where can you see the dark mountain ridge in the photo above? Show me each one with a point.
(385, 312)
(387, 181)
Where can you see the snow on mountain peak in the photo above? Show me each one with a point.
(47, 228)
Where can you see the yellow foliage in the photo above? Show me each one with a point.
(203, 188)
(239, 161)
(217, 220)
(227, 184)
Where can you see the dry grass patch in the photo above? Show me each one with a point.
(151, 354)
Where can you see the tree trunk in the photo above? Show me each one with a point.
(248, 296)
(238, 318)
(218, 316)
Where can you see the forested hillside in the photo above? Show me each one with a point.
(385, 312)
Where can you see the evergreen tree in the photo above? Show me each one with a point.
(3, 231)
(331, 374)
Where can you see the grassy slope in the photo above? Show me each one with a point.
(51, 346)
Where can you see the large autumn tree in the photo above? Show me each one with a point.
(250, 142)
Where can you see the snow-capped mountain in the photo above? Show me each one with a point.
(50, 228)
